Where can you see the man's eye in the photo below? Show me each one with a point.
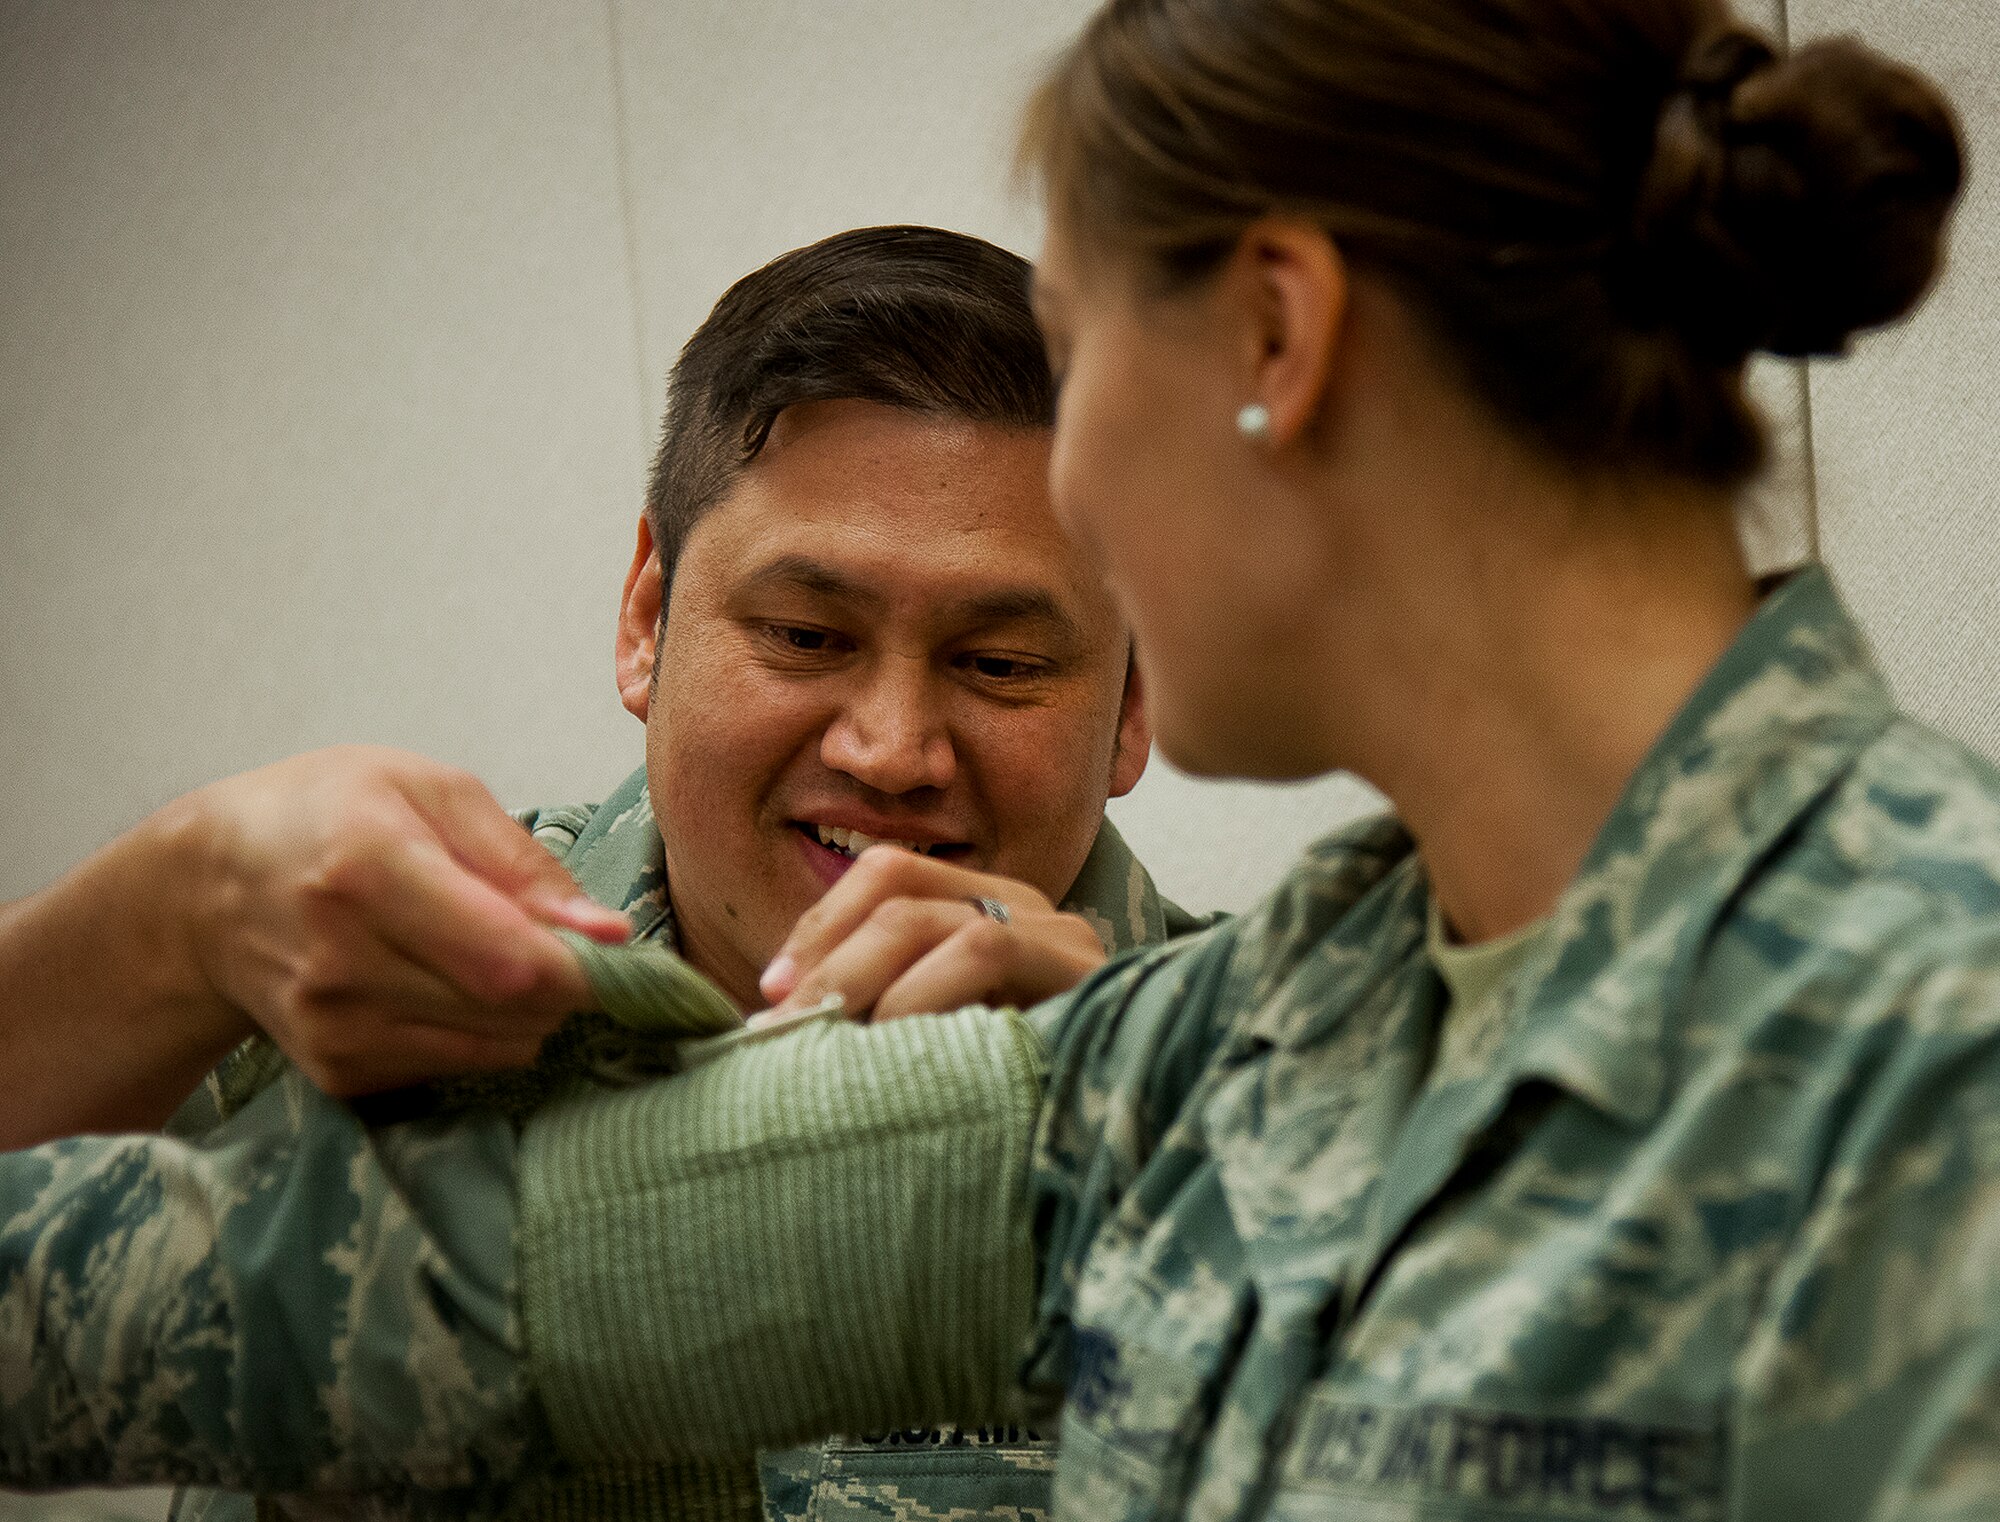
(1000, 668)
(802, 639)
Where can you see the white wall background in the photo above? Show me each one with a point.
(1906, 434)
(332, 336)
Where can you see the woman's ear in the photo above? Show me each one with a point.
(639, 626)
(1293, 282)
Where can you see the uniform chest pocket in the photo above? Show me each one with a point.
(1132, 1421)
(1425, 1461)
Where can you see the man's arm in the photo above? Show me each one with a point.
(295, 1304)
(378, 914)
(301, 1304)
(827, 1232)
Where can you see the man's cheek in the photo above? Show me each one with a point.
(1044, 793)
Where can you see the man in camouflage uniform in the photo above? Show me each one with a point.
(948, 1473)
(1701, 1226)
(929, 336)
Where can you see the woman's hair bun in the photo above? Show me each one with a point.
(1791, 202)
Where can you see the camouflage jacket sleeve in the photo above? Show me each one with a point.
(292, 1303)
(1126, 1050)
(1873, 1374)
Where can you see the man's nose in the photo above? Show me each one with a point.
(891, 734)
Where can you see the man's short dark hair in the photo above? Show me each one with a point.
(915, 317)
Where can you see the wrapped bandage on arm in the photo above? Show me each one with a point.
(824, 1233)
(827, 1231)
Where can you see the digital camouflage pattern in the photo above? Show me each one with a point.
(1714, 1234)
(291, 1303)
(1710, 1228)
(148, 1250)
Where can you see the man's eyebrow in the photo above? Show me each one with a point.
(1001, 605)
(1019, 604)
(810, 575)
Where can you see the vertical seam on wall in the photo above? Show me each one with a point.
(1810, 444)
(621, 137)
(1812, 460)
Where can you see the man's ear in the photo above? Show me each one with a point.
(1293, 281)
(1135, 735)
(639, 626)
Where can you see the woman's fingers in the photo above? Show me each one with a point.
(385, 920)
(894, 937)
(469, 823)
(985, 963)
(881, 875)
(422, 902)
(923, 956)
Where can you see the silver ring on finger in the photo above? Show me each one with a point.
(993, 909)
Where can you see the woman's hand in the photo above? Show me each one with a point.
(377, 914)
(383, 918)
(902, 934)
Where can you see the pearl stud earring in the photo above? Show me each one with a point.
(1254, 422)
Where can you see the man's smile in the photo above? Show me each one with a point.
(831, 848)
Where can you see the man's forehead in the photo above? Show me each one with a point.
(865, 471)
(969, 503)
(881, 507)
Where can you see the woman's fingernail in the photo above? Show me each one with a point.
(572, 911)
(779, 977)
(587, 917)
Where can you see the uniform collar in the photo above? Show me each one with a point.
(1118, 897)
(619, 860)
(1591, 1008)
(1774, 726)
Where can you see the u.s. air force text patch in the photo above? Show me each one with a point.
(1503, 1461)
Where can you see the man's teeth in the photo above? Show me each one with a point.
(853, 842)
